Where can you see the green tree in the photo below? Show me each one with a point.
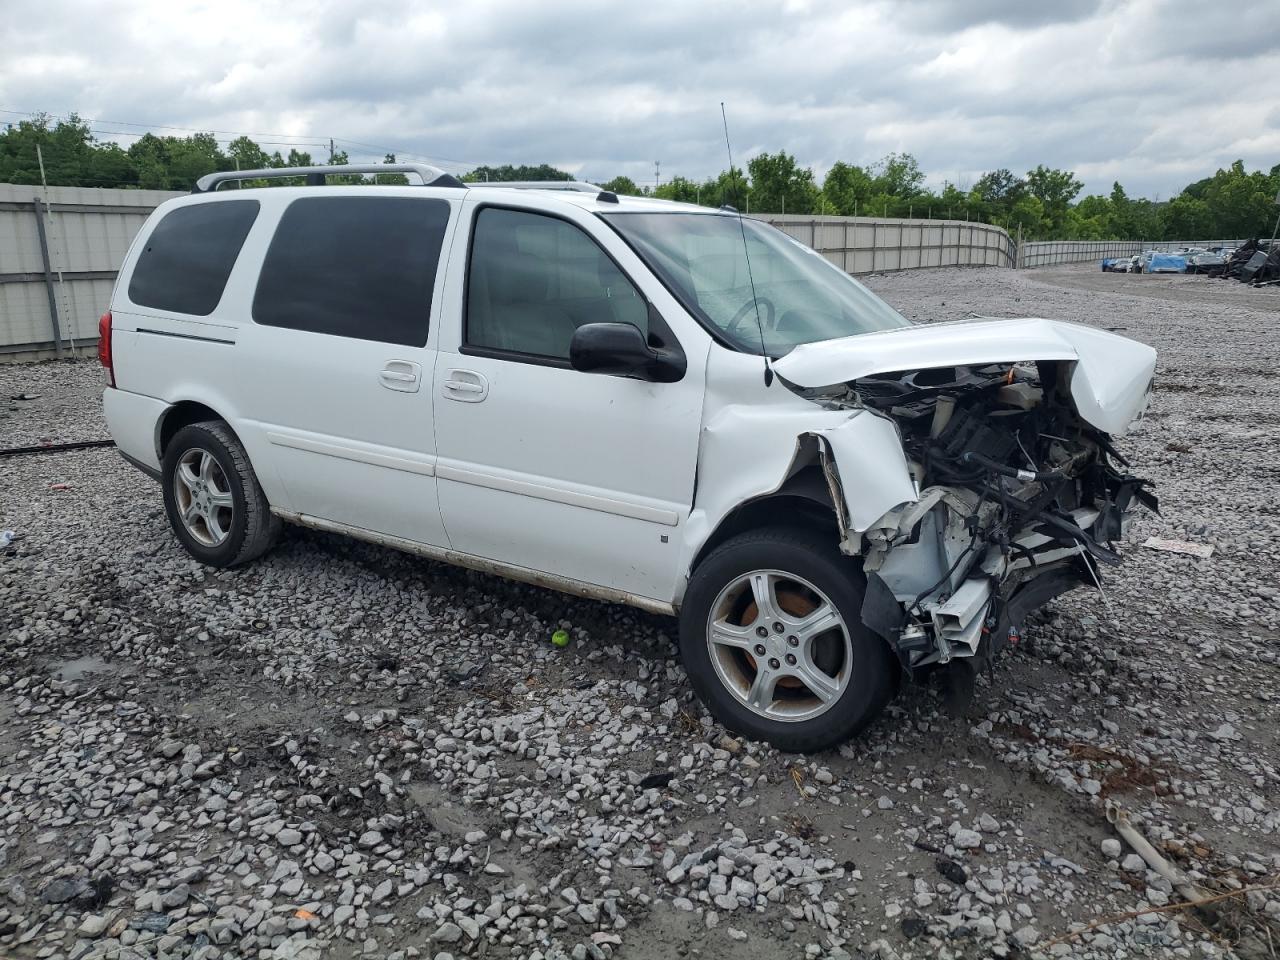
(729, 188)
(679, 189)
(507, 172)
(1120, 218)
(1187, 218)
(1089, 219)
(1146, 220)
(1055, 189)
(192, 157)
(779, 185)
(396, 179)
(150, 157)
(1242, 203)
(622, 185)
(110, 166)
(1232, 203)
(846, 189)
(898, 175)
(244, 154)
(67, 148)
(883, 204)
(1029, 214)
(951, 202)
(1000, 188)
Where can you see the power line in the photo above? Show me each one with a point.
(261, 143)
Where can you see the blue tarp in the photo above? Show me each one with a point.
(1166, 263)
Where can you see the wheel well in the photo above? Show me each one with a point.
(803, 501)
(180, 415)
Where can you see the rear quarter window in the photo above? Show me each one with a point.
(361, 267)
(188, 256)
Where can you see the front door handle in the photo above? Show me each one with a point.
(464, 385)
(404, 376)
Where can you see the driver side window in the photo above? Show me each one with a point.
(533, 280)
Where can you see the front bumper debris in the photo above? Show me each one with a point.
(1002, 498)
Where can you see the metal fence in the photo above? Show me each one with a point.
(60, 249)
(1044, 253)
(869, 245)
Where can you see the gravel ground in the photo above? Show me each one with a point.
(341, 751)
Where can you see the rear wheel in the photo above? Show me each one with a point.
(215, 505)
(772, 638)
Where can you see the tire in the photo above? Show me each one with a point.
(857, 669)
(231, 522)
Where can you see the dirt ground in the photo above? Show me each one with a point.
(342, 751)
(1179, 288)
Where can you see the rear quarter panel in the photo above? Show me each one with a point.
(174, 358)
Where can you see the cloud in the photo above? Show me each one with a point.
(1127, 91)
(1238, 34)
(938, 16)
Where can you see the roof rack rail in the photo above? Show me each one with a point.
(575, 185)
(430, 176)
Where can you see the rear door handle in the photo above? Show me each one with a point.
(464, 385)
(404, 376)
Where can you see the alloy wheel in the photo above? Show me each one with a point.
(203, 497)
(779, 645)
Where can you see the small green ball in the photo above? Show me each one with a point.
(560, 638)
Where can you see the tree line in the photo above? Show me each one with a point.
(1044, 203)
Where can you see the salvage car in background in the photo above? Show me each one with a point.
(622, 398)
(1204, 260)
(1156, 261)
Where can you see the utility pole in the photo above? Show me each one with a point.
(62, 287)
(657, 168)
(1276, 228)
(331, 150)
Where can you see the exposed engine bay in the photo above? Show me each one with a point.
(1019, 499)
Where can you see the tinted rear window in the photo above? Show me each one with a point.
(360, 267)
(189, 255)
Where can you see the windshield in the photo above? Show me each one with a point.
(801, 297)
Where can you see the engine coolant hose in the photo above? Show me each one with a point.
(970, 456)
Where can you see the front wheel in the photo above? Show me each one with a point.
(772, 638)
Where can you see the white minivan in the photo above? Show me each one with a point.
(652, 403)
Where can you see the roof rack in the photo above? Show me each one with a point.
(430, 176)
(575, 185)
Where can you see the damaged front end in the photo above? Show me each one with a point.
(1008, 497)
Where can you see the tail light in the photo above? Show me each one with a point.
(104, 347)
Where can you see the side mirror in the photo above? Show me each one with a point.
(619, 349)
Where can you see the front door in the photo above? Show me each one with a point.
(582, 475)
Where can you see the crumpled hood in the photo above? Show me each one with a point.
(1110, 381)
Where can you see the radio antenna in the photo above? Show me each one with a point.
(746, 252)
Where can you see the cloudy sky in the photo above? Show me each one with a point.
(1144, 92)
